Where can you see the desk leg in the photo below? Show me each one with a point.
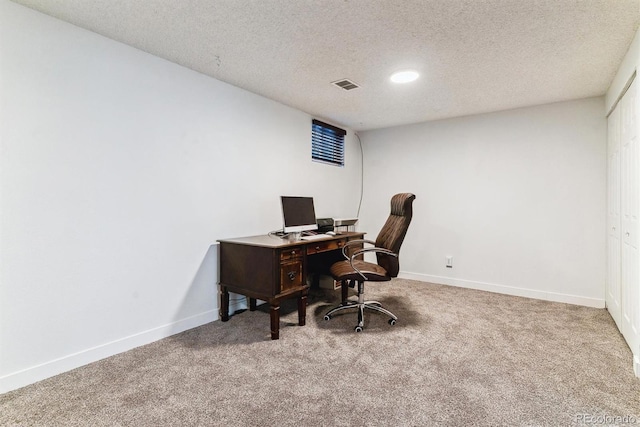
(252, 304)
(224, 303)
(275, 321)
(302, 309)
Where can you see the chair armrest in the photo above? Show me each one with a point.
(375, 249)
(354, 242)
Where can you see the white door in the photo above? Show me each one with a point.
(613, 217)
(630, 220)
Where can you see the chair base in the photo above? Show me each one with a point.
(360, 306)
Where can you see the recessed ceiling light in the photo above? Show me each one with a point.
(404, 76)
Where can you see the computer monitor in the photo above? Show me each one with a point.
(298, 214)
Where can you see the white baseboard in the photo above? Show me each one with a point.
(45, 370)
(636, 365)
(508, 290)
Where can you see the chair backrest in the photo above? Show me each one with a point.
(392, 233)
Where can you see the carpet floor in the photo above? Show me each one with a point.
(456, 357)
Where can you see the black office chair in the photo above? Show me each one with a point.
(387, 246)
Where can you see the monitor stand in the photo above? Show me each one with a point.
(295, 236)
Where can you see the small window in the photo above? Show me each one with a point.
(327, 143)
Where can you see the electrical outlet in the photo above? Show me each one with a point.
(449, 261)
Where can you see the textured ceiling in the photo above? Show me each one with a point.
(474, 56)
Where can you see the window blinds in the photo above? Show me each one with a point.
(327, 143)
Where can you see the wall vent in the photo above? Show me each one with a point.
(345, 84)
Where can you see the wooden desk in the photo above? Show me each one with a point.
(272, 269)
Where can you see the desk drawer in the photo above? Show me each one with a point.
(290, 275)
(324, 246)
(290, 254)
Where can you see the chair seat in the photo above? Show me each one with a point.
(342, 270)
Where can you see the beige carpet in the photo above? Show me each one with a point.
(456, 357)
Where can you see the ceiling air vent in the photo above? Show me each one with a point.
(345, 84)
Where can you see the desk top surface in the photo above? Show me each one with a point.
(273, 241)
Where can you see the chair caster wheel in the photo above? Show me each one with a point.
(392, 322)
(358, 329)
(327, 317)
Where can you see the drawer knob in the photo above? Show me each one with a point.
(317, 248)
(292, 275)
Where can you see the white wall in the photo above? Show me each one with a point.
(516, 197)
(119, 171)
